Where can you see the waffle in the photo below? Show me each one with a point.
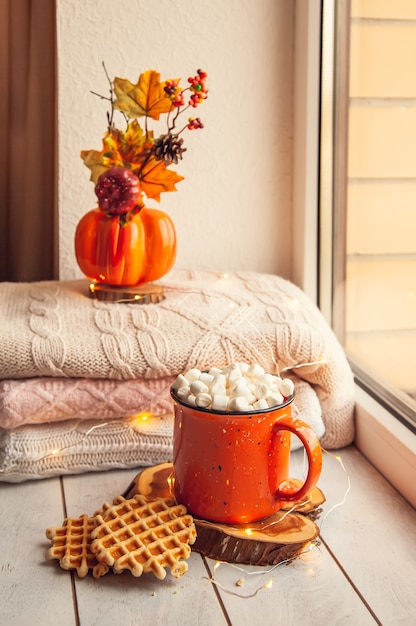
(141, 535)
(71, 545)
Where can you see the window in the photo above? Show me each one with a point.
(365, 280)
(368, 194)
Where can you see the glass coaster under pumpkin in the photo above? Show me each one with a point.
(142, 294)
(281, 537)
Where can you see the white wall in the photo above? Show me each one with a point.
(233, 210)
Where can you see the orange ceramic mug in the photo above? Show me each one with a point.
(233, 467)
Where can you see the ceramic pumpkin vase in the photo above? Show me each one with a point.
(122, 243)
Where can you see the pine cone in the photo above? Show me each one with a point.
(168, 148)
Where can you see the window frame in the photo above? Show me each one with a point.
(387, 442)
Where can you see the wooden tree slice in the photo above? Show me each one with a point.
(267, 542)
(309, 505)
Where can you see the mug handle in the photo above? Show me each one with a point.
(314, 452)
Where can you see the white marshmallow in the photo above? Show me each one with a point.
(266, 379)
(261, 391)
(237, 381)
(214, 371)
(183, 393)
(218, 389)
(220, 379)
(234, 375)
(260, 404)
(197, 386)
(255, 370)
(274, 399)
(206, 378)
(180, 382)
(192, 374)
(203, 400)
(243, 367)
(286, 387)
(240, 389)
(220, 402)
(191, 399)
(238, 404)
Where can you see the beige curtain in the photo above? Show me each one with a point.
(28, 214)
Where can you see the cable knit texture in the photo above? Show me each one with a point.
(55, 330)
(38, 400)
(73, 447)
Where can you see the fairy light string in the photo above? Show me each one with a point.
(134, 422)
(56, 451)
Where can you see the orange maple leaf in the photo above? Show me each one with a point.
(156, 178)
(146, 98)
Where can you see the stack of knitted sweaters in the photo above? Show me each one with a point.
(84, 384)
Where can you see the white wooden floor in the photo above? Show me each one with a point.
(364, 571)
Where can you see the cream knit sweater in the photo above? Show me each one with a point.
(54, 329)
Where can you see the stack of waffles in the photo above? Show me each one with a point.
(135, 534)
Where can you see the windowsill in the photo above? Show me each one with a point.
(387, 444)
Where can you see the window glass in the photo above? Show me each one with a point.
(374, 193)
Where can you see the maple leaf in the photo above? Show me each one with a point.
(146, 98)
(94, 161)
(123, 149)
(156, 178)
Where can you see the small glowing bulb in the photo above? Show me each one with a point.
(216, 566)
(269, 584)
(55, 451)
(142, 416)
(92, 287)
(248, 531)
(171, 482)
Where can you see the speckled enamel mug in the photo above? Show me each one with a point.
(234, 467)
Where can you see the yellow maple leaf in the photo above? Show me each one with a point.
(146, 98)
(123, 149)
(94, 161)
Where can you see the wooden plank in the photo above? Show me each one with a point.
(123, 599)
(309, 591)
(373, 536)
(32, 590)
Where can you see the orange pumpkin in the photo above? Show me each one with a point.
(125, 253)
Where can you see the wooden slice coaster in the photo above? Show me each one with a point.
(143, 294)
(267, 542)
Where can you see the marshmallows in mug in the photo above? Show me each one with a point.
(238, 387)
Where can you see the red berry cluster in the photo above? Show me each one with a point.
(197, 84)
(198, 87)
(194, 123)
(117, 190)
(174, 93)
